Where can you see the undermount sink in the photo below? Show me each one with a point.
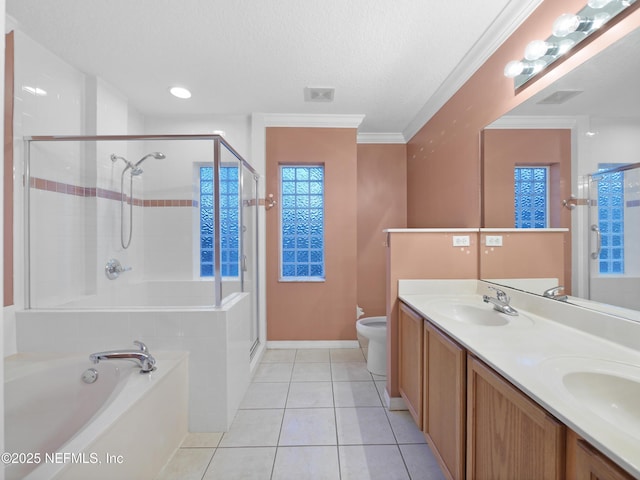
(608, 389)
(475, 313)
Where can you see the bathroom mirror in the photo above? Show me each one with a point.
(597, 105)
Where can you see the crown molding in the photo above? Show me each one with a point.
(533, 122)
(381, 138)
(312, 120)
(502, 27)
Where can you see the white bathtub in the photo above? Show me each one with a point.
(124, 425)
(149, 294)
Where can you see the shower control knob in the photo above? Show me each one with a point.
(114, 268)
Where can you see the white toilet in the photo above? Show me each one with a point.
(375, 329)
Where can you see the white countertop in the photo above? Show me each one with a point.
(527, 351)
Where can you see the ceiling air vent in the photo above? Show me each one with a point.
(559, 97)
(315, 94)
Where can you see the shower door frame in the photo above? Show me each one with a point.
(218, 142)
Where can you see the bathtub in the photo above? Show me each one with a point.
(154, 294)
(59, 427)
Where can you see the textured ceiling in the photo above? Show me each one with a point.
(385, 59)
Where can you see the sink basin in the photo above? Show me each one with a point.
(474, 313)
(608, 389)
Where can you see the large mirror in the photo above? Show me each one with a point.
(586, 122)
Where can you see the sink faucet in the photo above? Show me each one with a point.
(501, 302)
(142, 357)
(553, 293)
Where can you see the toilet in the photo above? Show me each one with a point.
(375, 330)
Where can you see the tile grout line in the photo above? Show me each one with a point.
(284, 412)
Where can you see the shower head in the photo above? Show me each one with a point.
(115, 158)
(156, 155)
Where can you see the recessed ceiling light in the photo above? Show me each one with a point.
(180, 92)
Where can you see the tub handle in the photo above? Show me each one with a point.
(114, 268)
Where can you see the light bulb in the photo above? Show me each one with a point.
(565, 24)
(599, 20)
(536, 49)
(513, 68)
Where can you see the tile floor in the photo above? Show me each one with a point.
(310, 415)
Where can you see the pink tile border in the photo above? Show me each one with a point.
(67, 189)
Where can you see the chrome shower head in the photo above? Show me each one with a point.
(156, 155)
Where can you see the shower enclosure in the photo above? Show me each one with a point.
(614, 241)
(104, 232)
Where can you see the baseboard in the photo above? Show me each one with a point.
(286, 344)
(394, 403)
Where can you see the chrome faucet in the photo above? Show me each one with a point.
(501, 302)
(553, 293)
(142, 357)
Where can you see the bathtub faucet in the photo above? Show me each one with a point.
(142, 357)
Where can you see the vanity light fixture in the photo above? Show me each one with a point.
(568, 31)
(180, 92)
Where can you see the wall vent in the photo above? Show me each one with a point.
(559, 97)
(317, 94)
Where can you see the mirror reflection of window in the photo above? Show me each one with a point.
(531, 197)
(611, 219)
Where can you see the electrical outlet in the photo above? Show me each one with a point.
(493, 240)
(461, 241)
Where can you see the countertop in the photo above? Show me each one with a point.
(527, 352)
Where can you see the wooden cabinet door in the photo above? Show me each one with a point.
(508, 435)
(410, 365)
(586, 463)
(445, 400)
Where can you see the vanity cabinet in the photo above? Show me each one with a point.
(508, 435)
(411, 359)
(586, 463)
(445, 400)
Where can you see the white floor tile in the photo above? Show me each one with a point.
(372, 462)
(421, 463)
(311, 372)
(356, 394)
(306, 463)
(350, 372)
(310, 395)
(265, 395)
(381, 386)
(341, 355)
(254, 428)
(241, 464)
(187, 464)
(313, 355)
(279, 356)
(404, 427)
(308, 426)
(273, 372)
(363, 426)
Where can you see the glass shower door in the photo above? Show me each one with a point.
(614, 236)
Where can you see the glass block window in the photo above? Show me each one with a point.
(302, 223)
(229, 218)
(611, 220)
(531, 197)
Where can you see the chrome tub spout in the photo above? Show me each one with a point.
(142, 357)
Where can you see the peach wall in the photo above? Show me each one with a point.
(8, 171)
(443, 158)
(421, 255)
(524, 254)
(309, 310)
(382, 204)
